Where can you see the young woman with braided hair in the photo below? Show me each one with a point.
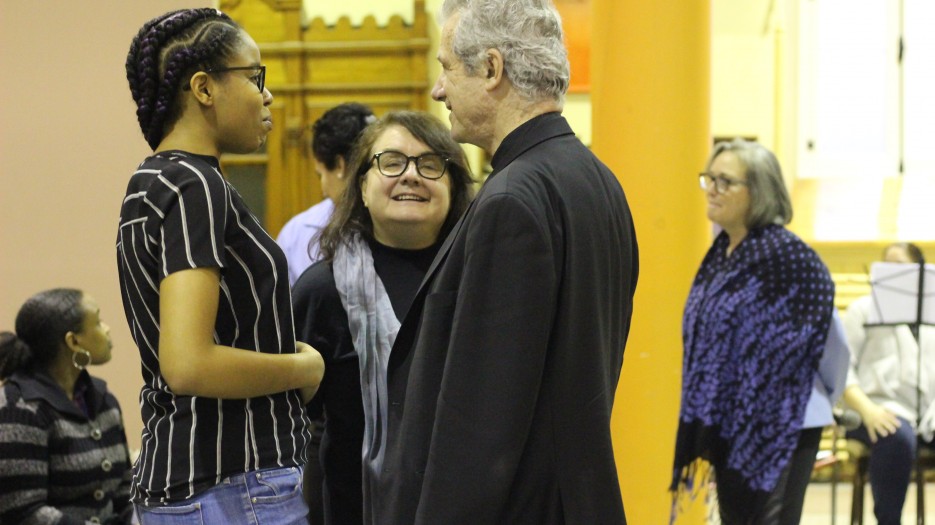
(205, 288)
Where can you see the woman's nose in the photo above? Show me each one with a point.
(411, 173)
(711, 188)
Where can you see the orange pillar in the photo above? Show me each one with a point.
(650, 78)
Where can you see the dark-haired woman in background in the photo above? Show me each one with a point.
(411, 183)
(62, 441)
(333, 136)
(754, 331)
(206, 290)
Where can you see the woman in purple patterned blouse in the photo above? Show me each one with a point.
(754, 329)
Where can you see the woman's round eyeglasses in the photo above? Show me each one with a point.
(394, 163)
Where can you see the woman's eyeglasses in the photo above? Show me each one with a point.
(720, 183)
(394, 163)
(259, 78)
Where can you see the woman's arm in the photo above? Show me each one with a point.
(193, 365)
(879, 421)
(835, 361)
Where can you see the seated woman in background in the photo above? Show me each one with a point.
(754, 331)
(881, 387)
(411, 184)
(62, 439)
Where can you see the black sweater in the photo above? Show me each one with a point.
(320, 320)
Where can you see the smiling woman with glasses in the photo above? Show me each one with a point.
(412, 184)
(400, 159)
(394, 163)
(754, 329)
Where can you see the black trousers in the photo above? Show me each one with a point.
(782, 506)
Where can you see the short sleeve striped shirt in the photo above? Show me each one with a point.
(180, 213)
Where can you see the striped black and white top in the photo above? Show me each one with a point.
(180, 213)
(59, 464)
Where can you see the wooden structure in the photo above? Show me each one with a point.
(310, 68)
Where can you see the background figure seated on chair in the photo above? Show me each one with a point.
(881, 386)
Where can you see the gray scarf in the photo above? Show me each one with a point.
(373, 326)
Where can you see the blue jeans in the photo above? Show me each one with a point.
(890, 468)
(271, 496)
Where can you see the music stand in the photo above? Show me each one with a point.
(901, 294)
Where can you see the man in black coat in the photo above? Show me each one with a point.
(503, 374)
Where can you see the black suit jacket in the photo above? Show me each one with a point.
(502, 377)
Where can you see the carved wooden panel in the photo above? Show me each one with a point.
(312, 68)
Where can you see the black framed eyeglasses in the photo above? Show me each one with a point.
(259, 79)
(721, 183)
(394, 163)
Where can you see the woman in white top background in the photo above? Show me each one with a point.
(881, 386)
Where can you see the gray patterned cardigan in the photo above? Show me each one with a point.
(58, 465)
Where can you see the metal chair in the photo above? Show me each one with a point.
(860, 454)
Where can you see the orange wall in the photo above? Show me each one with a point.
(68, 143)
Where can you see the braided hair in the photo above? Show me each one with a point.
(164, 55)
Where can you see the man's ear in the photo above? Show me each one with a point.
(202, 87)
(493, 69)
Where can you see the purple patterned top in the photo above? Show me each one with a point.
(754, 329)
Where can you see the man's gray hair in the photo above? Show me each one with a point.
(528, 33)
(769, 198)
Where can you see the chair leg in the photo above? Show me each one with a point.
(920, 494)
(857, 498)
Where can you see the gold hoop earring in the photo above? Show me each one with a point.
(74, 358)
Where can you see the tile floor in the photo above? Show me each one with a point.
(817, 509)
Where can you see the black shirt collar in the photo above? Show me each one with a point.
(530, 133)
